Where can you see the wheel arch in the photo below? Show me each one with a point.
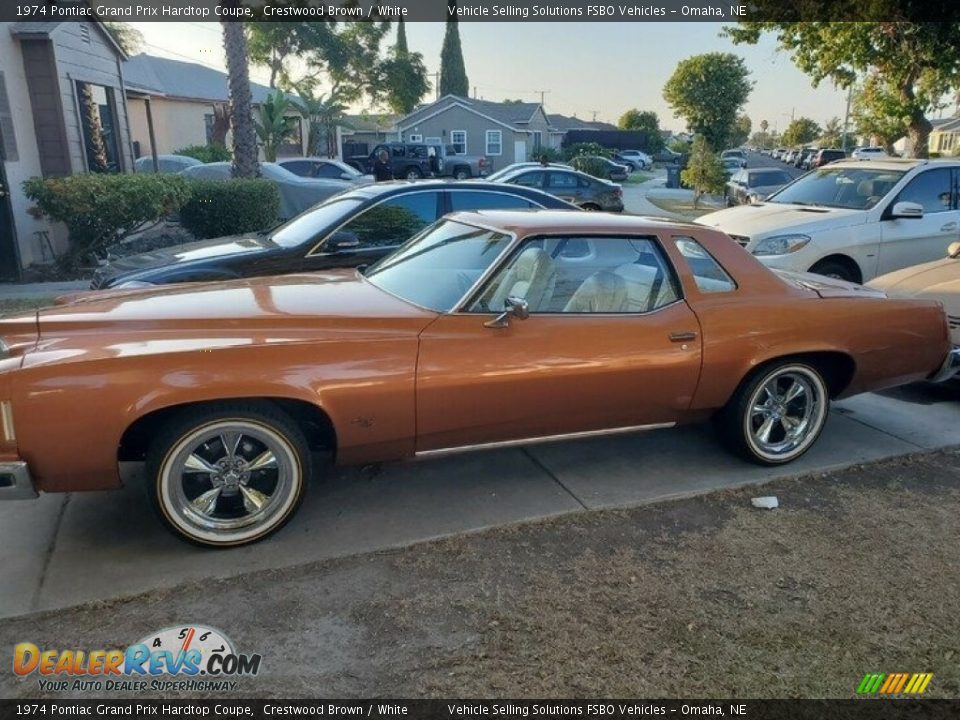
(844, 260)
(316, 424)
(836, 366)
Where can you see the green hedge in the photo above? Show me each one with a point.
(205, 153)
(99, 209)
(230, 207)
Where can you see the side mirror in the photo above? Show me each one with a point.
(954, 250)
(513, 307)
(342, 240)
(907, 210)
(346, 176)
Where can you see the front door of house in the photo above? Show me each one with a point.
(520, 151)
(9, 265)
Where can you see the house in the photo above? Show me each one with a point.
(945, 136)
(62, 111)
(506, 132)
(177, 98)
(560, 125)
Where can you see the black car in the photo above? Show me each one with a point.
(353, 228)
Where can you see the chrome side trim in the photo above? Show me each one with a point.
(950, 366)
(6, 416)
(22, 487)
(542, 439)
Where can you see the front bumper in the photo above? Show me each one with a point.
(16, 482)
(950, 367)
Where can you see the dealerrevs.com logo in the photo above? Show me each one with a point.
(201, 658)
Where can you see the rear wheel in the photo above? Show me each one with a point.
(413, 173)
(228, 475)
(461, 173)
(776, 414)
(591, 207)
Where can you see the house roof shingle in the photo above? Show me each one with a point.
(175, 78)
(564, 123)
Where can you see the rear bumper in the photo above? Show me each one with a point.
(16, 482)
(950, 366)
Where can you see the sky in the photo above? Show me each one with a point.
(587, 69)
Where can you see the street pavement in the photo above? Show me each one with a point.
(62, 550)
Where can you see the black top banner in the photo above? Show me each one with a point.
(385, 709)
(483, 10)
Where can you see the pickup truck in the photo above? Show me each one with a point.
(413, 161)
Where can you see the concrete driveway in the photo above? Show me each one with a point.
(62, 550)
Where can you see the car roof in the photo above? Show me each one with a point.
(893, 163)
(526, 222)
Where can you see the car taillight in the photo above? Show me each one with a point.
(483, 163)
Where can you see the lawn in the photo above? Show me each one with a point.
(12, 306)
(637, 177)
(682, 206)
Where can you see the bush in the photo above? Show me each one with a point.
(590, 165)
(230, 207)
(547, 153)
(99, 210)
(704, 173)
(591, 148)
(205, 153)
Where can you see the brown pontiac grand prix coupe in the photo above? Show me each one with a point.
(486, 328)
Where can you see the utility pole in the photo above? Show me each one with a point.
(542, 93)
(436, 85)
(594, 115)
(846, 117)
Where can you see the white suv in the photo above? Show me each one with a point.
(852, 219)
(868, 153)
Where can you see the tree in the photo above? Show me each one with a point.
(245, 162)
(910, 65)
(704, 172)
(801, 131)
(404, 76)
(323, 113)
(645, 121)
(832, 135)
(741, 130)
(273, 126)
(709, 90)
(221, 124)
(126, 36)
(875, 113)
(453, 73)
(272, 44)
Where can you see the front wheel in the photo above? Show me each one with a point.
(835, 269)
(228, 475)
(776, 415)
(461, 174)
(590, 207)
(413, 173)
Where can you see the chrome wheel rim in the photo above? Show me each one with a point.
(230, 481)
(785, 413)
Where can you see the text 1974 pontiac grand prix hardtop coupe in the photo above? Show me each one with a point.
(487, 328)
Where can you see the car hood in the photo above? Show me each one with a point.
(937, 280)
(765, 219)
(231, 246)
(827, 287)
(334, 299)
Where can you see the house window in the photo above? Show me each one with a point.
(416, 138)
(494, 142)
(537, 140)
(99, 127)
(434, 141)
(458, 138)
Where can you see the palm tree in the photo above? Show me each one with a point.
(323, 113)
(241, 102)
(274, 126)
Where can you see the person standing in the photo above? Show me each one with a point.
(382, 169)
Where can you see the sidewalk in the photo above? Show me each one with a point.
(24, 291)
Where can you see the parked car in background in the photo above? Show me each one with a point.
(169, 164)
(827, 156)
(601, 167)
(852, 219)
(296, 193)
(732, 165)
(755, 184)
(637, 159)
(353, 228)
(489, 328)
(413, 161)
(668, 157)
(938, 280)
(328, 168)
(511, 169)
(802, 158)
(868, 153)
(737, 153)
(582, 190)
(461, 166)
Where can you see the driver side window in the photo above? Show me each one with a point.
(932, 189)
(393, 221)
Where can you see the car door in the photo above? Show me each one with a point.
(565, 186)
(911, 241)
(533, 179)
(376, 230)
(586, 359)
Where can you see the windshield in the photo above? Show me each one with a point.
(436, 268)
(854, 188)
(306, 226)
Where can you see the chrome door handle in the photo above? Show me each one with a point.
(683, 336)
(948, 227)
